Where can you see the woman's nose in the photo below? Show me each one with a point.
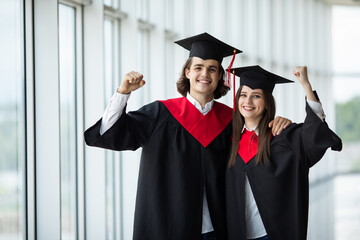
(248, 100)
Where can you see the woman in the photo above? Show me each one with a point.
(267, 185)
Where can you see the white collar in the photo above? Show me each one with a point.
(255, 129)
(204, 110)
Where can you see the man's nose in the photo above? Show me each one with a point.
(205, 72)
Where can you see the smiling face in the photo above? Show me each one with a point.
(204, 76)
(251, 105)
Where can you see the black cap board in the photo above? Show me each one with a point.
(206, 47)
(256, 77)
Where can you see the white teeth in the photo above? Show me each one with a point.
(204, 81)
(248, 108)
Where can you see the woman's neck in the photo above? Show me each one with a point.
(249, 124)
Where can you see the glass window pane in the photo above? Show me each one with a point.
(112, 3)
(12, 121)
(169, 14)
(68, 120)
(108, 2)
(169, 69)
(108, 59)
(110, 196)
(109, 81)
(142, 9)
(143, 61)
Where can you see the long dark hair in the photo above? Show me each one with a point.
(183, 84)
(264, 131)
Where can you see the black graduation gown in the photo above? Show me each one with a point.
(280, 187)
(182, 151)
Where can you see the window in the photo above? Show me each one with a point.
(143, 55)
(170, 77)
(142, 9)
(112, 161)
(113, 166)
(12, 121)
(68, 120)
(112, 3)
(169, 53)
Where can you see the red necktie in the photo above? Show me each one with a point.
(248, 145)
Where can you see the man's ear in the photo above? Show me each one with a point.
(187, 73)
(220, 77)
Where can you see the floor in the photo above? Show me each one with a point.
(347, 207)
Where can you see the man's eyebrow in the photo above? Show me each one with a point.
(213, 66)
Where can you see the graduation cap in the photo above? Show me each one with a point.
(206, 47)
(256, 77)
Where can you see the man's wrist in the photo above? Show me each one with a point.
(119, 90)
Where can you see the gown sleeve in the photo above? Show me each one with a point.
(312, 138)
(131, 131)
(317, 137)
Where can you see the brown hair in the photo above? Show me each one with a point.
(264, 131)
(183, 84)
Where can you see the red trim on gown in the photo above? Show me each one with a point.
(204, 128)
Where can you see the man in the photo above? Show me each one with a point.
(185, 143)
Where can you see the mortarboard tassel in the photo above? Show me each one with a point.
(227, 77)
(233, 90)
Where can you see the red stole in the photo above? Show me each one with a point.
(203, 128)
(248, 145)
